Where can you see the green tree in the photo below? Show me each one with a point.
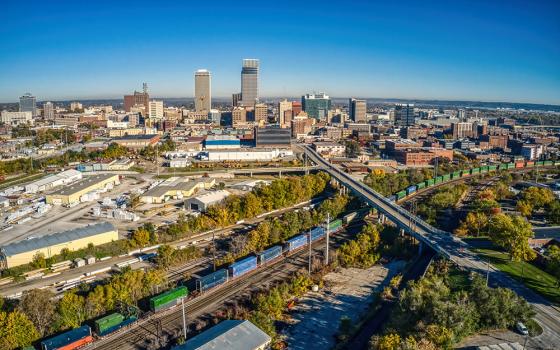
(524, 208)
(512, 233)
(16, 330)
(38, 306)
(140, 237)
(353, 149)
(553, 212)
(539, 197)
(71, 311)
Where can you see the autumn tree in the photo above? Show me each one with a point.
(16, 330)
(71, 311)
(140, 237)
(38, 306)
(512, 233)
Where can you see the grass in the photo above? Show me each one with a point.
(458, 280)
(21, 179)
(533, 277)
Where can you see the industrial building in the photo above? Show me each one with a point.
(222, 142)
(273, 137)
(245, 155)
(137, 142)
(202, 202)
(229, 334)
(176, 188)
(72, 194)
(53, 181)
(22, 252)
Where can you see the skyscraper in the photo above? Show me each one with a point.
(250, 82)
(283, 107)
(27, 103)
(202, 91)
(138, 98)
(357, 110)
(404, 115)
(155, 110)
(48, 111)
(316, 105)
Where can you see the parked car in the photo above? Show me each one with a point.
(521, 328)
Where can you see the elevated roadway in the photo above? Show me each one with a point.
(448, 246)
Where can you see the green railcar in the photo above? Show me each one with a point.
(511, 165)
(456, 175)
(557, 163)
(168, 298)
(475, 171)
(109, 321)
(421, 185)
(503, 166)
(439, 179)
(430, 182)
(401, 194)
(446, 177)
(465, 172)
(492, 167)
(484, 169)
(548, 163)
(335, 225)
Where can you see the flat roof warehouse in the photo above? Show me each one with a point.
(83, 184)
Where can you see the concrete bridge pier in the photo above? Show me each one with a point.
(420, 247)
(402, 232)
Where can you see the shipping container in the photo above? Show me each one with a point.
(212, 280)
(168, 299)
(410, 190)
(492, 167)
(456, 175)
(296, 242)
(519, 165)
(548, 163)
(349, 217)
(530, 164)
(475, 171)
(392, 198)
(112, 323)
(446, 177)
(401, 194)
(69, 340)
(511, 165)
(420, 185)
(484, 169)
(430, 182)
(244, 266)
(270, 254)
(465, 172)
(503, 166)
(539, 163)
(316, 233)
(335, 226)
(439, 179)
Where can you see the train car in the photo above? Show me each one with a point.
(430, 182)
(348, 218)
(69, 340)
(420, 185)
(456, 175)
(548, 163)
(270, 254)
(511, 165)
(246, 265)
(401, 194)
(492, 167)
(539, 163)
(439, 179)
(168, 299)
(212, 280)
(503, 166)
(148, 256)
(392, 198)
(484, 169)
(465, 172)
(446, 177)
(475, 171)
(557, 163)
(111, 323)
(519, 165)
(335, 226)
(529, 164)
(296, 242)
(410, 190)
(317, 233)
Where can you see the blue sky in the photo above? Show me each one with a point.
(471, 50)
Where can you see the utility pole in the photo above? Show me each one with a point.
(184, 319)
(327, 253)
(157, 159)
(309, 264)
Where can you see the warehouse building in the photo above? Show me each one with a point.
(202, 202)
(229, 334)
(245, 155)
(273, 137)
(222, 142)
(137, 142)
(22, 252)
(72, 194)
(175, 188)
(53, 181)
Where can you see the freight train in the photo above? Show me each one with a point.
(468, 172)
(106, 325)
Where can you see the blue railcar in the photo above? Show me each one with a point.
(146, 257)
(270, 254)
(317, 233)
(242, 267)
(69, 340)
(212, 280)
(296, 242)
(410, 190)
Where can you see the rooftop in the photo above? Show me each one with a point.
(56, 238)
(135, 137)
(83, 184)
(229, 334)
(211, 197)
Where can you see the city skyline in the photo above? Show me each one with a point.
(463, 51)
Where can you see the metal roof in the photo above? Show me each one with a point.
(229, 334)
(86, 182)
(56, 238)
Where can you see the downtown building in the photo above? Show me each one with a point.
(404, 115)
(316, 106)
(28, 103)
(202, 91)
(249, 82)
(137, 99)
(357, 110)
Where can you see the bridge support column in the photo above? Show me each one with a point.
(402, 232)
(420, 248)
(280, 173)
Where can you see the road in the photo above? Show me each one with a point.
(448, 246)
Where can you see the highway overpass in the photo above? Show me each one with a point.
(446, 245)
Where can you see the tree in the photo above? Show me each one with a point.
(524, 208)
(476, 222)
(39, 261)
(539, 197)
(71, 310)
(16, 330)
(165, 255)
(38, 306)
(140, 237)
(512, 233)
(553, 212)
(353, 149)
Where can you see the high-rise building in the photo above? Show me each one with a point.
(202, 90)
(316, 105)
(357, 110)
(261, 113)
(404, 114)
(27, 103)
(155, 109)
(137, 99)
(215, 116)
(236, 99)
(296, 108)
(48, 111)
(16, 118)
(75, 106)
(462, 130)
(283, 107)
(238, 116)
(250, 82)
